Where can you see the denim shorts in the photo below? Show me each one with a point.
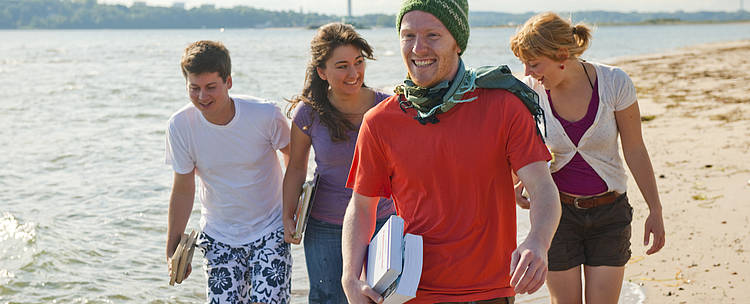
(257, 272)
(598, 236)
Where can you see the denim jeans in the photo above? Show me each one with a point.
(324, 263)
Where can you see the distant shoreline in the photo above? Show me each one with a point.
(89, 14)
(375, 27)
(655, 22)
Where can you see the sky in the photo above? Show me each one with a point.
(361, 7)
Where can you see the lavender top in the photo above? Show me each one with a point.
(333, 160)
(577, 176)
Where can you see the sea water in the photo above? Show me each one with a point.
(83, 206)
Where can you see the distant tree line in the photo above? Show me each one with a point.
(607, 17)
(87, 14)
(83, 14)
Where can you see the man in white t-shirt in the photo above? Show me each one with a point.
(230, 143)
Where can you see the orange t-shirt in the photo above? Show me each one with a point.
(451, 183)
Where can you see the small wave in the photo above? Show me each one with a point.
(10, 229)
(5, 277)
(55, 51)
(58, 60)
(148, 115)
(632, 293)
(61, 158)
(14, 242)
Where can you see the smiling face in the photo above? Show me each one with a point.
(344, 70)
(210, 95)
(544, 70)
(428, 48)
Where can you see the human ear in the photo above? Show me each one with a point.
(321, 73)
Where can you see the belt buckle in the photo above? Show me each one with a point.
(576, 201)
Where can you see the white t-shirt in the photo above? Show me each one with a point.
(239, 173)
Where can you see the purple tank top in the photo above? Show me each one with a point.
(333, 160)
(577, 176)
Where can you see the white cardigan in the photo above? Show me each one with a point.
(599, 146)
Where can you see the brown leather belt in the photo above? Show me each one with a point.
(587, 202)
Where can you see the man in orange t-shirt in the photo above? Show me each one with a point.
(449, 171)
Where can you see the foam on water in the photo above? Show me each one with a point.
(12, 230)
(16, 246)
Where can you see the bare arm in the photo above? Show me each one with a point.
(180, 206)
(636, 156)
(298, 152)
(521, 200)
(285, 151)
(529, 260)
(359, 225)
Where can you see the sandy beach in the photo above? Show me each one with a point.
(696, 123)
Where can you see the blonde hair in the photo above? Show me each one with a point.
(549, 35)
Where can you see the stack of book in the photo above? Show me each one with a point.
(394, 262)
(306, 198)
(182, 257)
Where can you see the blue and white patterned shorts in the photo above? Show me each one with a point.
(257, 272)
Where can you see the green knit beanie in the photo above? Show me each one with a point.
(454, 14)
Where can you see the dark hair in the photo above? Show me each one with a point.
(206, 57)
(315, 91)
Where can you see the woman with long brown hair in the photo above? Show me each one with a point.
(326, 117)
